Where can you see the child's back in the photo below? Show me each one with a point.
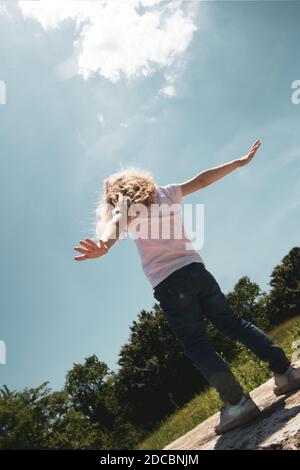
(160, 237)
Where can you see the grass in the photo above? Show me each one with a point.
(250, 372)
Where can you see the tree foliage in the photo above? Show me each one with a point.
(35, 418)
(284, 298)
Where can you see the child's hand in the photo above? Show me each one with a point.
(94, 250)
(247, 158)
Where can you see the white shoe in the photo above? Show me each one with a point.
(287, 382)
(233, 416)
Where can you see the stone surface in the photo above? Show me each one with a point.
(277, 428)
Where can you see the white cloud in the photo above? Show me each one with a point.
(115, 38)
(101, 119)
(170, 77)
(4, 10)
(168, 90)
(69, 67)
(124, 124)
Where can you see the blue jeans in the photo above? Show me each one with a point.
(188, 294)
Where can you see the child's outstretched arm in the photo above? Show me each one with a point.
(109, 236)
(208, 177)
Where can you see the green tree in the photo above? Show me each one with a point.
(35, 418)
(284, 298)
(91, 390)
(249, 302)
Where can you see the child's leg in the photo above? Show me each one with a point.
(185, 319)
(218, 311)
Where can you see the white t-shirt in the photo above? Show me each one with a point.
(160, 237)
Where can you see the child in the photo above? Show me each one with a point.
(183, 286)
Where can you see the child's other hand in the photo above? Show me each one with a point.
(93, 250)
(247, 158)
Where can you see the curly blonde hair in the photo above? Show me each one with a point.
(137, 184)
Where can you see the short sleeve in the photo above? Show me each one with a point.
(174, 192)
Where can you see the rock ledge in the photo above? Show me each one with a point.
(278, 427)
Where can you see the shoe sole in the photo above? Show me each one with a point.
(243, 420)
(287, 389)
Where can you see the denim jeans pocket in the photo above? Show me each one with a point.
(175, 297)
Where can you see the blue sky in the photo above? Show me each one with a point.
(190, 86)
